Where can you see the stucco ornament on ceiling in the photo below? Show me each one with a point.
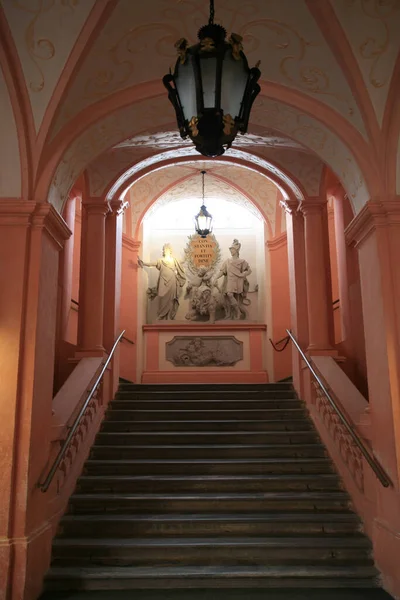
(44, 34)
(283, 35)
(318, 138)
(251, 159)
(372, 28)
(172, 139)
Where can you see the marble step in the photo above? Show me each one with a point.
(206, 437)
(188, 404)
(237, 415)
(189, 387)
(354, 550)
(206, 524)
(153, 577)
(207, 483)
(208, 466)
(193, 425)
(91, 503)
(243, 395)
(174, 450)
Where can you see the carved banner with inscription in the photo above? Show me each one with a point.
(202, 252)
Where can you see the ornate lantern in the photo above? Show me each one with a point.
(203, 220)
(212, 88)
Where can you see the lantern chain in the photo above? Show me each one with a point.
(203, 173)
(211, 19)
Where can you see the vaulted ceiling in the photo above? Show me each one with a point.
(80, 90)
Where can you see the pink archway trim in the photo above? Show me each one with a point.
(21, 105)
(185, 178)
(391, 130)
(95, 22)
(336, 38)
(54, 152)
(139, 173)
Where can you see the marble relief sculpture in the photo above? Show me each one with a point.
(203, 296)
(235, 284)
(170, 281)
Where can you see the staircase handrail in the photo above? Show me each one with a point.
(49, 478)
(369, 457)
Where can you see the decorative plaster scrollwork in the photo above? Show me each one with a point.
(284, 38)
(349, 452)
(374, 48)
(132, 47)
(38, 49)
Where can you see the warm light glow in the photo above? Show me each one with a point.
(170, 215)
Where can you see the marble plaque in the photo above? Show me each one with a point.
(204, 351)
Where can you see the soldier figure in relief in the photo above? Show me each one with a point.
(235, 286)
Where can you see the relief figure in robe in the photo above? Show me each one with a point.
(170, 281)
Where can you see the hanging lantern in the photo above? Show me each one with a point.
(203, 220)
(212, 88)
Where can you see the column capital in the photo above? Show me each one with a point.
(291, 207)
(118, 207)
(313, 206)
(47, 218)
(14, 211)
(96, 206)
(131, 243)
(277, 242)
(372, 216)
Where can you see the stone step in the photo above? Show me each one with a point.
(203, 524)
(238, 415)
(153, 576)
(217, 550)
(242, 395)
(208, 466)
(206, 483)
(189, 387)
(125, 451)
(207, 502)
(204, 405)
(206, 437)
(150, 426)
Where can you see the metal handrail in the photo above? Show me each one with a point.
(46, 483)
(369, 457)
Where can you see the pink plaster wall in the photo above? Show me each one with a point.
(280, 298)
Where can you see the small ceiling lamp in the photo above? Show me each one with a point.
(203, 220)
(212, 88)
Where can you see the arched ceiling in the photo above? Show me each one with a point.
(88, 78)
(231, 182)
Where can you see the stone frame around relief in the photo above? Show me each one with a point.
(204, 351)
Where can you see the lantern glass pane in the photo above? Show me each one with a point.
(234, 80)
(185, 84)
(202, 222)
(208, 69)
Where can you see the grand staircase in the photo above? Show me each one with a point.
(209, 486)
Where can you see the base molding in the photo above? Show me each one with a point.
(205, 376)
